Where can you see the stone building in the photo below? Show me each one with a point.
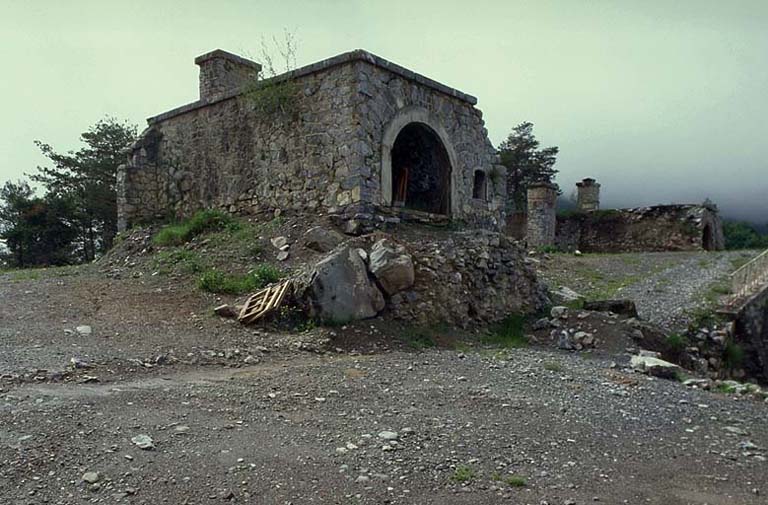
(356, 136)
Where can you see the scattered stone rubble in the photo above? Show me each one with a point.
(469, 276)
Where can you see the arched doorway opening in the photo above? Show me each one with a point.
(421, 170)
(707, 238)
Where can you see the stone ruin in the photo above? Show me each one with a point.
(366, 140)
(676, 227)
(368, 146)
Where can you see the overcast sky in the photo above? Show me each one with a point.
(659, 100)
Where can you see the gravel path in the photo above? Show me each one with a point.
(668, 297)
(248, 416)
(440, 427)
(666, 286)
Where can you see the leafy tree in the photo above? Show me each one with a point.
(742, 235)
(525, 163)
(37, 231)
(87, 179)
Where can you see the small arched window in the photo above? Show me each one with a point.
(480, 186)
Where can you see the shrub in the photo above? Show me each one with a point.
(676, 342)
(742, 235)
(515, 481)
(507, 333)
(733, 356)
(202, 221)
(420, 339)
(463, 473)
(216, 281)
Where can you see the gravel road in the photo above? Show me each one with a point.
(666, 286)
(273, 418)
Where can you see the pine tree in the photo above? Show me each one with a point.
(87, 179)
(525, 163)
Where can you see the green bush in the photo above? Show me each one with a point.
(507, 333)
(463, 473)
(742, 235)
(216, 281)
(186, 261)
(676, 342)
(515, 481)
(733, 357)
(202, 221)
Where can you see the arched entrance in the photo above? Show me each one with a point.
(707, 238)
(421, 171)
(418, 164)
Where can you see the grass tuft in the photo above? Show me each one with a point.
(463, 473)
(216, 281)
(202, 221)
(515, 481)
(509, 333)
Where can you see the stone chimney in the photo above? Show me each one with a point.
(587, 195)
(542, 197)
(222, 73)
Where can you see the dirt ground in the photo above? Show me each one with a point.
(335, 415)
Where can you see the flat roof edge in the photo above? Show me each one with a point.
(356, 55)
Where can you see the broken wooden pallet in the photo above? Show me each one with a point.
(263, 302)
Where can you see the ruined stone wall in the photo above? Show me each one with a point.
(476, 276)
(660, 228)
(751, 333)
(227, 155)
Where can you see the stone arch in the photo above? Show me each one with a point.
(418, 123)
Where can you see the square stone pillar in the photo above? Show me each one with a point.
(542, 197)
(587, 195)
(222, 73)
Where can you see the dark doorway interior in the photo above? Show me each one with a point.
(707, 239)
(421, 170)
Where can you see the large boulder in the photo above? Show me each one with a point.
(339, 288)
(322, 239)
(391, 266)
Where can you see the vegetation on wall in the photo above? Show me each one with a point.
(269, 94)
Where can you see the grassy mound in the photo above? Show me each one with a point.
(202, 221)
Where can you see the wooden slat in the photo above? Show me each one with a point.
(263, 302)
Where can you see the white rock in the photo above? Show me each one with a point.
(388, 435)
(143, 442)
(84, 330)
(91, 477)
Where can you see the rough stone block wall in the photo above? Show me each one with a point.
(751, 333)
(474, 276)
(327, 157)
(226, 156)
(541, 215)
(660, 228)
(384, 96)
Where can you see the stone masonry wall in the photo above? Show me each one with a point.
(327, 157)
(225, 156)
(383, 96)
(660, 228)
(474, 276)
